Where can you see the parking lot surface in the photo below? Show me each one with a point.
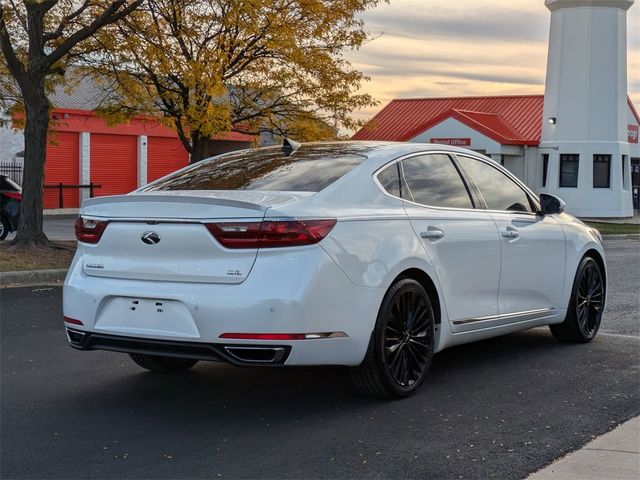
(501, 408)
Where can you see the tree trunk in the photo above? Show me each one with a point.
(200, 148)
(30, 231)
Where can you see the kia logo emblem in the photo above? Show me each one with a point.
(150, 238)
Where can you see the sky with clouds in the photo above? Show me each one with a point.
(435, 48)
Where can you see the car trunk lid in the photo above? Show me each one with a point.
(164, 237)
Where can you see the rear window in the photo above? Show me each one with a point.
(311, 168)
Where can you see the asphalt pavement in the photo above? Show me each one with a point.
(57, 227)
(501, 408)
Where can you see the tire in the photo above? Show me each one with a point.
(156, 363)
(401, 347)
(4, 228)
(585, 307)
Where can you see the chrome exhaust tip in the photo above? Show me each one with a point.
(75, 337)
(256, 355)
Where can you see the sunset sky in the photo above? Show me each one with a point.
(465, 47)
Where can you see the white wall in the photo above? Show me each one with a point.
(452, 128)
(586, 91)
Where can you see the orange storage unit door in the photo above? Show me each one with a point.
(164, 155)
(113, 163)
(62, 166)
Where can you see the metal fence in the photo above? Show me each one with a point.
(12, 170)
(61, 187)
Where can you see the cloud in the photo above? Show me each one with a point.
(464, 47)
(473, 24)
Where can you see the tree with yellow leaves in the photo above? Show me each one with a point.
(38, 38)
(206, 67)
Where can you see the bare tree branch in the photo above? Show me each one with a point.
(111, 14)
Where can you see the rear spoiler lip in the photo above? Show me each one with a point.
(146, 198)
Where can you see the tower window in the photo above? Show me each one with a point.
(601, 171)
(569, 167)
(545, 168)
(625, 183)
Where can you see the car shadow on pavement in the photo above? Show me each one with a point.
(214, 387)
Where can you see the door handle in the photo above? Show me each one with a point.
(432, 233)
(511, 233)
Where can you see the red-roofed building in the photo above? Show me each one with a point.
(506, 128)
(579, 141)
(507, 119)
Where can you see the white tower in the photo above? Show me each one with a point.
(584, 131)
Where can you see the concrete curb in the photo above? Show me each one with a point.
(61, 212)
(32, 277)
(615, 454)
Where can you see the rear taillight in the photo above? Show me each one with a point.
(89, 231)
(271, 233)
(13, 195)
(236, 235)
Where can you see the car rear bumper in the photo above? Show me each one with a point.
(301, 291)
(236, 354)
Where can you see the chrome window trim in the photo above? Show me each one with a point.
(502, 169)
(417, 154)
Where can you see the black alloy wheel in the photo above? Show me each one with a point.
(407, 342)
(590, 299)
(402, 343)
(586, 307)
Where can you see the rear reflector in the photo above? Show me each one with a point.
(89, 231)
(72, 321)
(271, 233)
(282, 336)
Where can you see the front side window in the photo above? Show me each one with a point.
(497, 189)
(569, 168)
(434, 180)
(601, 171)
(311, 168)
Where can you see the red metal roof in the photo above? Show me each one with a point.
(515, 120)
(510, 120)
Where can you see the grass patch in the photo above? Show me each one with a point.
(615, 228)
(14, 259)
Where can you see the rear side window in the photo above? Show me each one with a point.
(433, 180)
(309, 169)
(498, 190)
(389, 179)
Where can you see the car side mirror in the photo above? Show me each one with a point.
(550, 204)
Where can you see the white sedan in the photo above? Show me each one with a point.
(364, 254)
